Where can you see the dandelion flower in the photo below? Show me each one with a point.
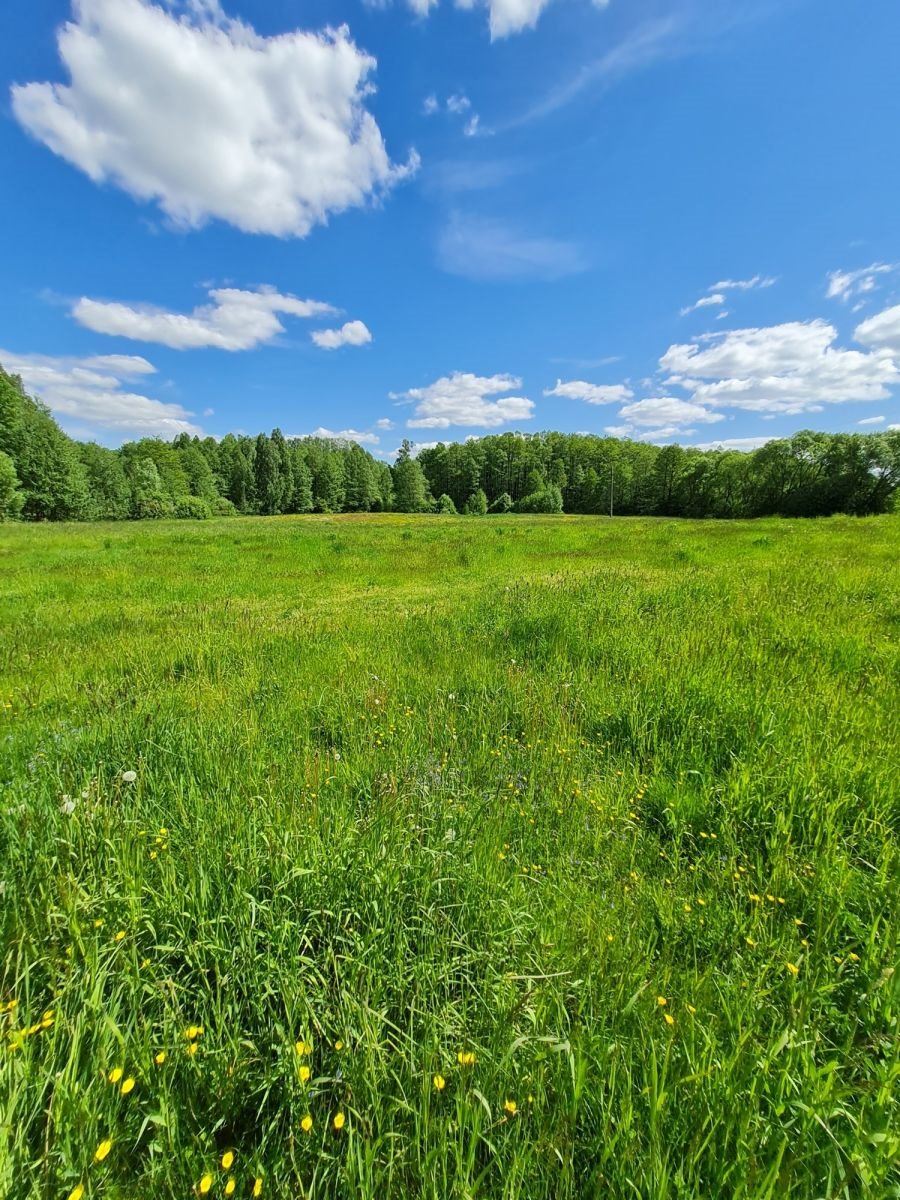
(304, 1073)
(160, 1058)
(511, 1107)
(306, 1123)
(102, 1150)
(115, 1074)
(339, 1121)
(77, 1192)
(128, 1085)
(230, 1185)
(120, 936)
(466, 1058)
(439, 1083)
(205, 1184)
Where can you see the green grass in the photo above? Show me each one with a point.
(428, 787)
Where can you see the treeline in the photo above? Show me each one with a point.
(46, 475)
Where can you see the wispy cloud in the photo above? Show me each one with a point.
(487, 248)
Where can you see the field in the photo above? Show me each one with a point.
(413, 857)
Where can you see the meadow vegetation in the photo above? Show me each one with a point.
(389, 857)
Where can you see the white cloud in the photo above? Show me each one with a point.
(744, 443)
(485, 248)
(212, 120)
(458, 104)
(235, 320)
(351, 333)
(789, 368)
(704, 302)
(470, 129)
(881, 332)
(384, 423)
(344, 435)
(744, 285)
(430, 105)
(592, 393)
(844, 285)
(891, 428)
(872, 421)
(669, 412)
(87, 394)
(461, 399)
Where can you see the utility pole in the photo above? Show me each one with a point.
(612, 476)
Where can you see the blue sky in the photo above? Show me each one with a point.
(439, 220)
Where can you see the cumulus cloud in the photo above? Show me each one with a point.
(661, 417)
(485, 248)
(744, 443)
(846, 285)
(234, 320)
(384, 423)
(704, 302)
(209, 119)
(344, 435)
(351, 333)
(591, 393)
(462, 399)
(881, 332)
(89, 394)
(789, 368)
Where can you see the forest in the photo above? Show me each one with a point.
(47, 476)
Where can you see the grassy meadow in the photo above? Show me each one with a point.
(509, 859)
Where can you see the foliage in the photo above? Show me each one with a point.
(445, 505)
(193, 508)
(808, 475)
(593, 821)
(11, 498)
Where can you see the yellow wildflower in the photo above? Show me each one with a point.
(661, 1001)
(439, 1083)
(691, 1009)
(306, 1123)
(670, 1020)
(303, 1048)
(160, 1058)
(230, 1185)
(191, 1050)
(102, 1150)
(205, 1184)
(257, 1187)
(193, 1032)
(77, 1192)
(466, 1058)
(115, 1074)
(227, 1159)
(97, 924)
(339, 1121)
(511, 1107)
(128, 1085)
(339, 1045)
(304, 1073)
(120, 936)
(793, 968)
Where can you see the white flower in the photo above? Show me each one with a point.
(129, 776)
(68, 805)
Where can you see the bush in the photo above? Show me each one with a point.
(503, 504)
(476, 505)
(445, 505)
(548, 500)
(192, 508)
(222, 507)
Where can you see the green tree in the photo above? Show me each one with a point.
(11, 498)
(477, 505)
(411, 493)
(109, 493)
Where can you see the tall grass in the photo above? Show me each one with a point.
(594, 823)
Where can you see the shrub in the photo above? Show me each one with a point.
(548, 500)
(445, 505)
(192, 508)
